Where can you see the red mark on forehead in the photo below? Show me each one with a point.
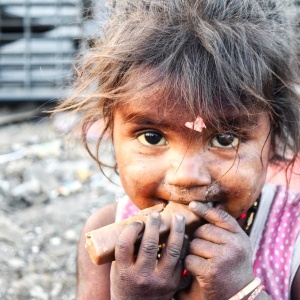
(197, 125)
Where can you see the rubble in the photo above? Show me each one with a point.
(49, 186)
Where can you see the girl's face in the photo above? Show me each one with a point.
(160, 159)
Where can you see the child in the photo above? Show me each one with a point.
(198, 96)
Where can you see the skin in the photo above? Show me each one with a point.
(159, 160)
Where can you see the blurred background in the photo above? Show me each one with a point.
(48, 183)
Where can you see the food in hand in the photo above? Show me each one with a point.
(100, 243)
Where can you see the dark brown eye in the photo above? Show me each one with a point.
(152, 138)
(226, 140)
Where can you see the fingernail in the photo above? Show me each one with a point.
(193, 204)
(179, 217)
(140, 223)
(155, 214)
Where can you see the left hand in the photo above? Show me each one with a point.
(142, 276)
(220, 254)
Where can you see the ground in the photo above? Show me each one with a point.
(48, 188)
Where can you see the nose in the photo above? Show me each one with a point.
(188, 171)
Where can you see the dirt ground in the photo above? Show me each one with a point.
(48, 188)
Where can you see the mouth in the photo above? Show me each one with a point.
(211, 195)
(215, 204)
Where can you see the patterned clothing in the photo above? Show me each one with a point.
(276, 259)
(125, 209)
(275, 236)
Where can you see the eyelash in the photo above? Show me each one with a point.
(158, 137)
(226, 140)
(154, 133)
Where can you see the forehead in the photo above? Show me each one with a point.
(161, 105)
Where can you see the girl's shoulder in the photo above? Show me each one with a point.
(125, 208)
(276, 238)
(101, 217)
(92, 280)
(286, 196)
(278, 213)
(279, 193)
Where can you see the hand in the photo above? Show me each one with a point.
(220, 254)
(141, 276)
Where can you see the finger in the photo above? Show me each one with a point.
(173, 250)
(204, 249)
(214, 234)
(215, 216)
(124, 250)
(196, 265)
(147, 253)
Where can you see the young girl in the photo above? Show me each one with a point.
(198, 96)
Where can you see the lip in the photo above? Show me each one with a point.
(180, 195)
(183, 199)
(209, 203)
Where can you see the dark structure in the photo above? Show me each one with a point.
(38, 41)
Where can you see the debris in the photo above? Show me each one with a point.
(5, 158)
(83, 175)
(51, 148)
(45, 197)
(43, 150)
(18, 117)
(69, 188)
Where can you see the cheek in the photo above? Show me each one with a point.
(247, 170)
(137, 170)
(241, 184)
(139, 180)
(253, 168)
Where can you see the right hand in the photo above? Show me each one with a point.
(141, 276)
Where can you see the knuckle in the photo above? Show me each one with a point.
(223, 215)
(241, 250)
(124, 276)
(149, 246)
(188, 261)
(180, 230)
(213, 273)
(123, 245)
(174, 251)
(142, 281)
(206, 229)
(193, 245)
(239, 245)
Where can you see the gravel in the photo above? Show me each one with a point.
(48, 188)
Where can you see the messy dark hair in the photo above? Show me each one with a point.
(210, 54)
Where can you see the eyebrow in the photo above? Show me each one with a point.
(241, 121)
(238, 121)
(142, 119)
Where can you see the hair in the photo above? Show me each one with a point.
(211, 54)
